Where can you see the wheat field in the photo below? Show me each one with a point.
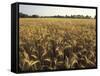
(56, 43)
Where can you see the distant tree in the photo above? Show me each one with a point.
(88, 17)
(78, 16)
(23, 15)
(35, 16)
(66, 16)
(55, 16)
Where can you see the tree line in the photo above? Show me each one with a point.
(22, 15)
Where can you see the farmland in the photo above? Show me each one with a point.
(56, 43)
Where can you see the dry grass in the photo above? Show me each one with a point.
(55, 43)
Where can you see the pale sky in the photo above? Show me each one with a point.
(51, 10)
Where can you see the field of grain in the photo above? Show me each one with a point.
(56, 43)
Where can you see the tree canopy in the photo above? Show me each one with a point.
(22, 15)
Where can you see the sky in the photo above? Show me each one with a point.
(51, 10)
